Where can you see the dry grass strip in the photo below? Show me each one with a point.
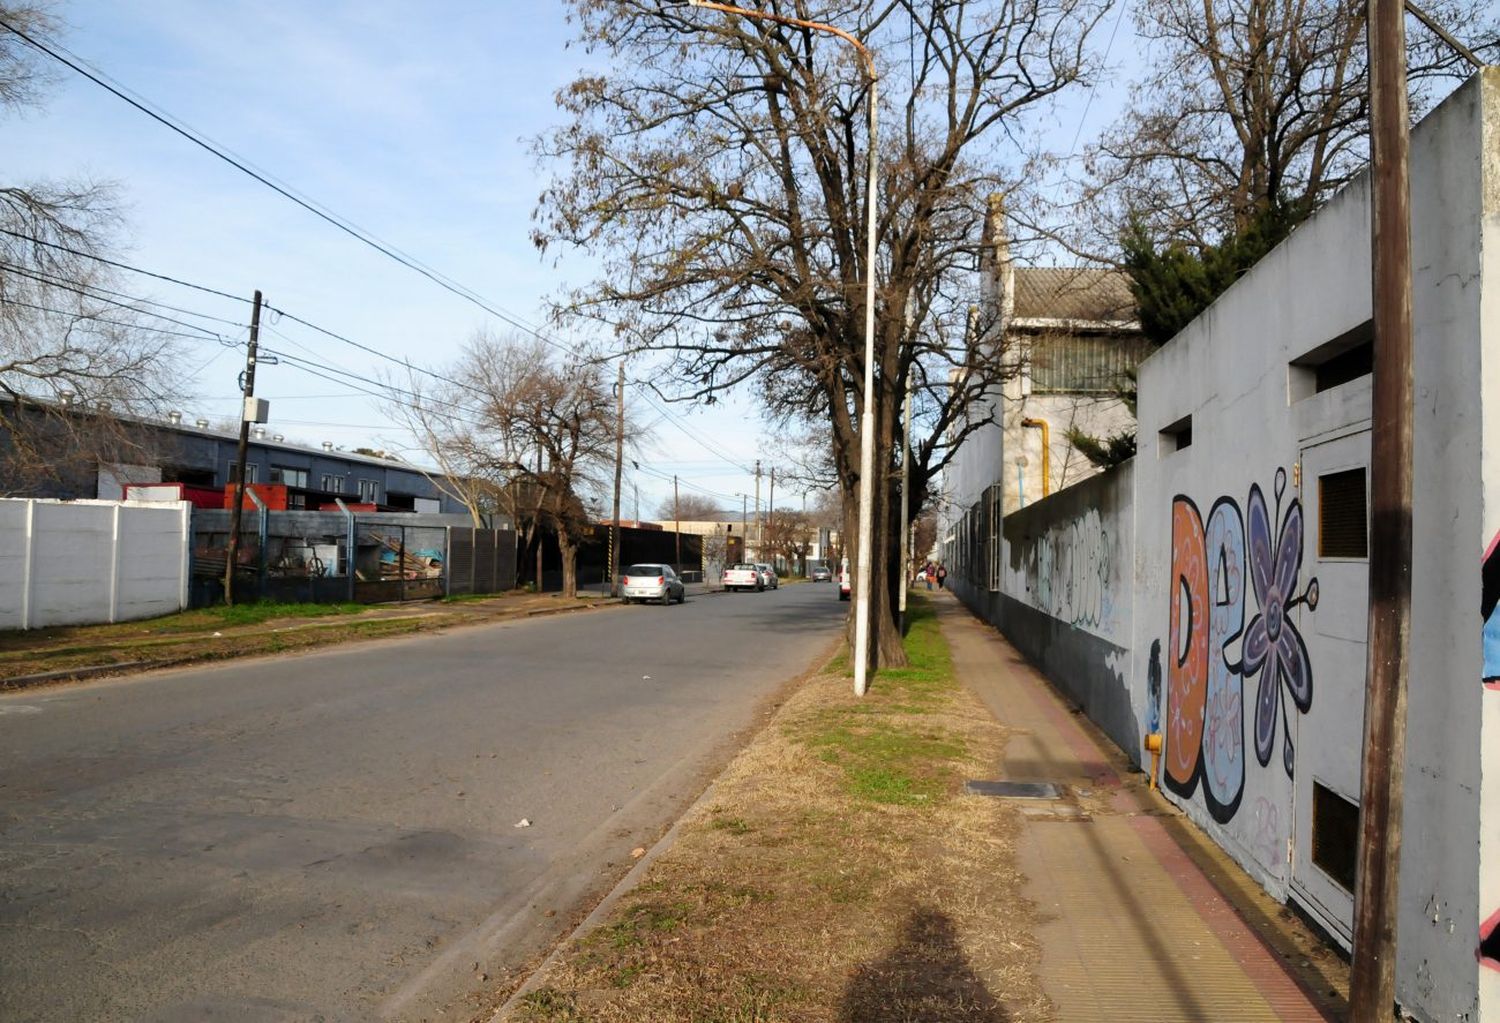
(837, 874)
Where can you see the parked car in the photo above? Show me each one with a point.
(844, 578)
(768, 577)
(743, 576)
(820, 574)
(657, 583)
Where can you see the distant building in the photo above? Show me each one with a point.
(204, 458)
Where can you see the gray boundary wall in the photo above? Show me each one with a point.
(87, 562)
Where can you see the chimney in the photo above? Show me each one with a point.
(998, 273)
(103, 406)
(260, 433)
(201, 424)
(67, 398)
(174, 417)
(279, 438)
(328, 445)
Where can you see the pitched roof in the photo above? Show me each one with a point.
(1073, 293)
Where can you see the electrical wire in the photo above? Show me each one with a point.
(322, 212)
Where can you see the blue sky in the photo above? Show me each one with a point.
(412, 122)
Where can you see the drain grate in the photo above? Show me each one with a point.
(1014, 789)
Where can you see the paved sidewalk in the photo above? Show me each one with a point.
(1132, 926)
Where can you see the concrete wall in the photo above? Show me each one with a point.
(85, 562)
(1244, 637)
(1066, 595)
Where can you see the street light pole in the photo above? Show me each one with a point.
(862, 588)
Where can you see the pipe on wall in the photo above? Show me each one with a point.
(1041, 424)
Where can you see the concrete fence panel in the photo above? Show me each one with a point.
(89, 562)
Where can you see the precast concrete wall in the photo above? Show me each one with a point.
(1066, 592)
(88, 562)
(1237, 621)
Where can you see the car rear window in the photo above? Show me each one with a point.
(742, 568)
(643, 570)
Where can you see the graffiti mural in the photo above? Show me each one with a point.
(1489, 597)
(1069, 571)
(1205, 686)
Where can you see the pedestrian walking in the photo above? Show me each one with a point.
(942, 574)
(927, 575)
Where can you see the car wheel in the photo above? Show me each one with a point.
(666, 598)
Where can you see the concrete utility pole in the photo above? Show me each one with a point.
(758, 540)
(614, 526)
(1372, 980)
(539, 531)
(771, 506)
(676, 524)
(241, 452)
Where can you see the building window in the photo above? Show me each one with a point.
(250, 471)
(369, 491)
(996, 498)
(1073, 364)
(332, 484)
(1346, 358)
(1335, 835)
(1177, 436)
(288, 476)
(1343, 519)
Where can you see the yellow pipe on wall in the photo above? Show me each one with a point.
(1046, 452)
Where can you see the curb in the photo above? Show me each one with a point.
(87, 672)
(600, 912)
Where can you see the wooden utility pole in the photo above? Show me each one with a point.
(676, 524)
(614, 526)
(1372, 981)
(241, 451)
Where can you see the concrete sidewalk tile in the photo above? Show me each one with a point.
(1132, 929)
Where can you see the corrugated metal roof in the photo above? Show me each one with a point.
(1073, 293)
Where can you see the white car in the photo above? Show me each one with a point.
(743, 576)
(657, 583)
(768, 577)
(844, 580)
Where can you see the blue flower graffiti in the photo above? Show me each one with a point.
(1273, 646)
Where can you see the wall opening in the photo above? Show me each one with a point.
(1176, 436)
(1335, 836)
(1343, 516)
(1347, 357)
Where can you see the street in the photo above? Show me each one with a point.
(333, 835)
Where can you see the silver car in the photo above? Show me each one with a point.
(820, 574)
(658, 583)
(768, 577)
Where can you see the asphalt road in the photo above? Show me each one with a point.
(330, 836)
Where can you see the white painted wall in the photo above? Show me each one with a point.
(88, 562)
(1214, 519)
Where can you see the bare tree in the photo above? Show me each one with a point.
(1250, 108)
(689, 508)
(790, 534)
(718, 169)
(73, 356)
(516, 423)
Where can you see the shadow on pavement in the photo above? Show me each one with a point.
(925, 979)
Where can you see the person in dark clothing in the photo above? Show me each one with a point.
(942, 574)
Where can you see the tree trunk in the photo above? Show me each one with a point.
(569, 551)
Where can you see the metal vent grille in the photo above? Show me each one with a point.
(1343, 519)
(1335, 835)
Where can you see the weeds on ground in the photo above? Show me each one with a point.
(837, 868)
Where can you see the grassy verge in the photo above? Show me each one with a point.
(837, 873)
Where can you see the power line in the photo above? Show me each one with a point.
(122, 266)
(54, 282)
(317, 209)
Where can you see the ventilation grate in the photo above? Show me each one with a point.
(1343, 519)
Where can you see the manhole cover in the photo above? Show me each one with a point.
(1014, 789)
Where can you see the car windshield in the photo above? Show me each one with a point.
(644, 570)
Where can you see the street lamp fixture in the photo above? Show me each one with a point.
(862, 589)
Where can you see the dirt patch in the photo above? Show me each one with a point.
(837, 873)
